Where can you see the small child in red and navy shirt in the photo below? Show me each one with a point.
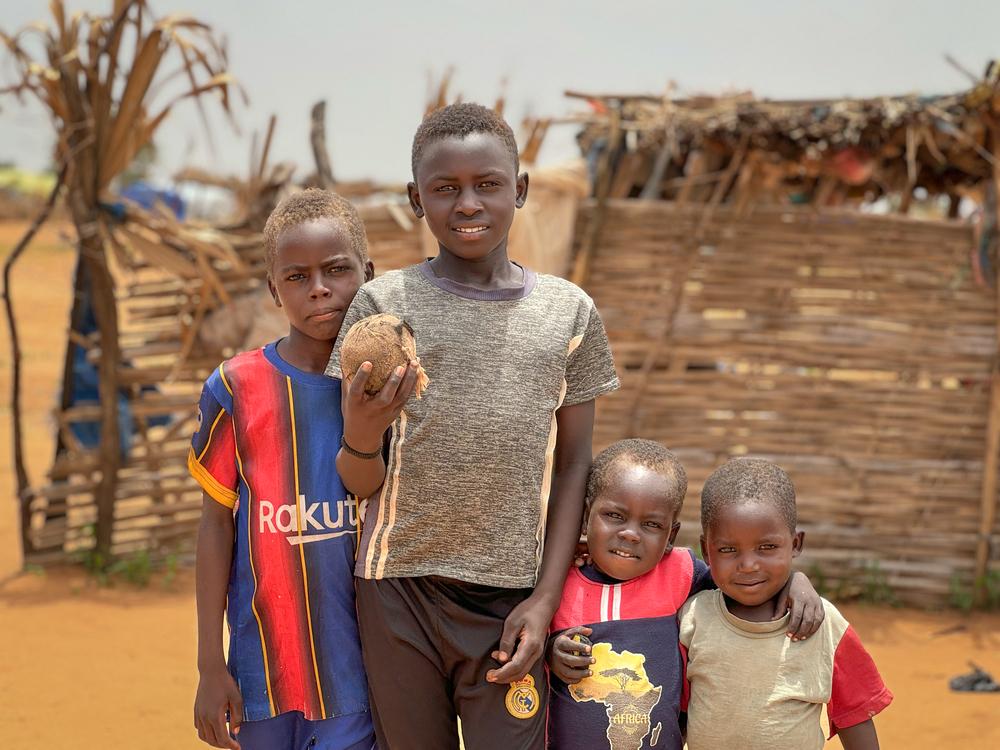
(616, 669)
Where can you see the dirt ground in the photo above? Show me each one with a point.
(109, 668)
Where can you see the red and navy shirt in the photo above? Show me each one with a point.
(633, 697)
(266, 444)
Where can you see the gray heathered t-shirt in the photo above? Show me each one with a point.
(469, 465)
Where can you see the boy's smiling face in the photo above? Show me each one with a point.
(632, 523)
(750, 549)
(315, 274)
(467, 189)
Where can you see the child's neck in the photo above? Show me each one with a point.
(758, 613)
(305, 353)
(763, 612)
(494, 271)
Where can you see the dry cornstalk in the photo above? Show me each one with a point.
(97, 76)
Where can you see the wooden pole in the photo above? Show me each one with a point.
(989, 492)
(266, 152)
(317, 136)
(653, 189)
(602, 185)
(21, 473)
(102, 298)
(988, 498)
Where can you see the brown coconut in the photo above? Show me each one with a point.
(385, 341)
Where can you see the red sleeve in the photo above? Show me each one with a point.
(685, 685)
(858, 692)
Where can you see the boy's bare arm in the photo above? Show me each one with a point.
(859, 737)
(366, 419)
(217, 690)
(573, 454)
(524, 632)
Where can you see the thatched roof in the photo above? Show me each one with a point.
(865, 147)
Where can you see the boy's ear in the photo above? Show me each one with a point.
(274, 292)
(798, 541)
(674, 528)
(704, 549)
(521, 190)
(414, 195)
(369, 270)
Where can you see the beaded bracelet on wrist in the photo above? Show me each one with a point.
(357, 453)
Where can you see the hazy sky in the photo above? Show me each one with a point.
(371, 61)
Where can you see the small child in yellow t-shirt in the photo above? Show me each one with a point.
(750, 687)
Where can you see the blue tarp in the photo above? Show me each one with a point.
(147, 196)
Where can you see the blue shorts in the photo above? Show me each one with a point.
(291, 731)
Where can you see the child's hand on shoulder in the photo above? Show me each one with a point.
(570, 660)
(218, 695)
(805, 605)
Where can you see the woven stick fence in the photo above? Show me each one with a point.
(854, 350)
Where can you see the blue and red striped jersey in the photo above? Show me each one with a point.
(266, 443)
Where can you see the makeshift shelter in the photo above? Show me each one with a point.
(757, 305)
(94, 74)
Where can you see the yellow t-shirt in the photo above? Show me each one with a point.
(753, 688)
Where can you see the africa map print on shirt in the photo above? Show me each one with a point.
(632, 700)
(619, 682)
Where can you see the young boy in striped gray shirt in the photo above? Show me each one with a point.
(476, 490)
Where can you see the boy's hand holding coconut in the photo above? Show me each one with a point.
(380, 372)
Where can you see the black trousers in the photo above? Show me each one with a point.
(427, 644)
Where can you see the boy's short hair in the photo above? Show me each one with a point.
(310, 205)
(458, 121)
(636, 452)
(748, 480)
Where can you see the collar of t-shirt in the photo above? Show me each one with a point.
(312, 379)
(530, 278)
(592, 573)
(765, 629)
